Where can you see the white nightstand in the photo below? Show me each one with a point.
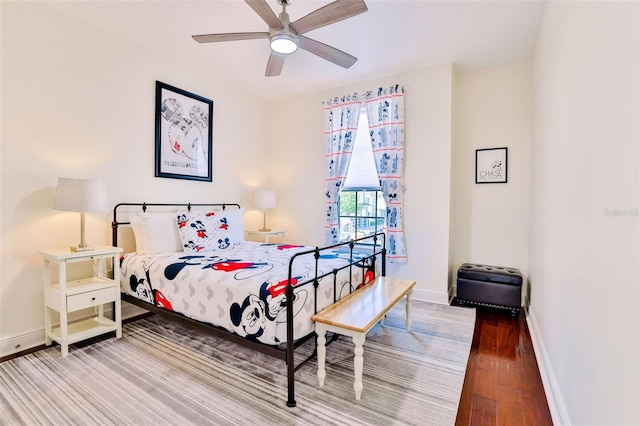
(267, 234)
(69, 296)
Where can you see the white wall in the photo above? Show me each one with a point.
(584, 256)
(490, 222)
(79, 102)
(297, 150)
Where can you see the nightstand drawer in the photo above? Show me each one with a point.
(91, 298)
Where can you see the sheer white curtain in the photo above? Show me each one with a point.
(385, 111)
(340, 124)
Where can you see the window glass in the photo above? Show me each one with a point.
(362, 173)
(362, 213)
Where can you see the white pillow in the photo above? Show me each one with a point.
(138, 233)
(159, 233)
(236, 225)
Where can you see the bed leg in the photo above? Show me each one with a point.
(291, 400)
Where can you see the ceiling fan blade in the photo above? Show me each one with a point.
(212, 38)
(266, 13)
(327, 52)
(274, 66)
(329, 14)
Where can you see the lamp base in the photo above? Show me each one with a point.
(85, 248)
(264, 229)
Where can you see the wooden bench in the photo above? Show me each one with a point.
(355, 314)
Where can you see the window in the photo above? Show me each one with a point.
(361, 205)
(362, 213)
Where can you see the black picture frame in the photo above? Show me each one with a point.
(491, 165)
(184, 134)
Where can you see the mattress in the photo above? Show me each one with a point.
(242, 288)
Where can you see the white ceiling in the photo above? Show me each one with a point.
(393, 36)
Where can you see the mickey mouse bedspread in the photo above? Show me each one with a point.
(241, 289)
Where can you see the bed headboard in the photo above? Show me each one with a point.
(128, 209)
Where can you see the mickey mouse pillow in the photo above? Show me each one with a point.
(202, 231)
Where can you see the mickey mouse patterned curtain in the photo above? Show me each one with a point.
(340, 123)
(385, 111)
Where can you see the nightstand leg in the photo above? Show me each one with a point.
(118, 319)
(117, 305)
(47, 311)
(100, 272)
(64, 330)
(47, 326)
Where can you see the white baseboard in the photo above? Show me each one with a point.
(14, 344)
(559, 413)
(430, 296)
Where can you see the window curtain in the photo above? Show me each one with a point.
(340, 123)
(385, 111)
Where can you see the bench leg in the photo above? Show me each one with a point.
(322, 352)
(358, 363)
(409, 310)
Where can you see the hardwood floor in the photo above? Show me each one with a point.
(502, 385)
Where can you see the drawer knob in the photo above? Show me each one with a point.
(93, 299)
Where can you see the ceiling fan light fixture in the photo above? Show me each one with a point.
(284, 43)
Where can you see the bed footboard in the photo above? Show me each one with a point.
(378, 249)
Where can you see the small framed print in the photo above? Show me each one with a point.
(184, 134)
(491, 165)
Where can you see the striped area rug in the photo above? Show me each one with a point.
(161, 373)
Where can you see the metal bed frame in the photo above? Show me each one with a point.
(285, 351)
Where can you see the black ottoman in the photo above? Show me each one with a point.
(492, 286)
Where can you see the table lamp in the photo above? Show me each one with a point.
(81, 195)
(264, 199)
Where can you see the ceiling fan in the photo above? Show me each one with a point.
(286, 37)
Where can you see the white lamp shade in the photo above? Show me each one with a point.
(264, 199)
(81, 195)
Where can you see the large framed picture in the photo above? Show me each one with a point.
(184, 134)
(491, 165)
